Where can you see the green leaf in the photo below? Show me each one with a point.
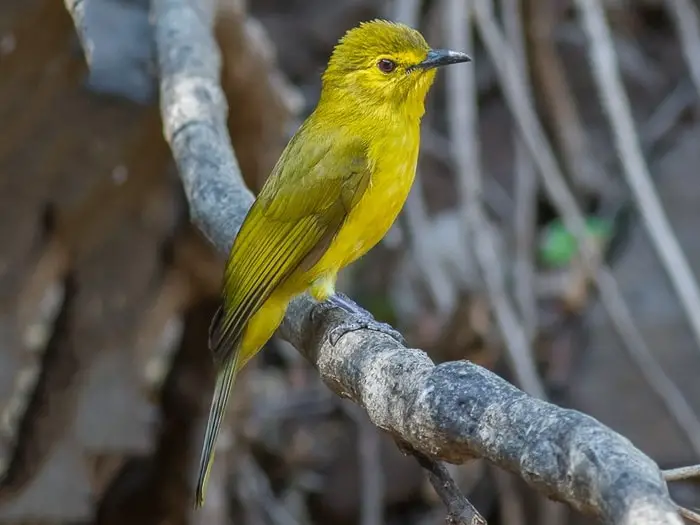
(557, 246)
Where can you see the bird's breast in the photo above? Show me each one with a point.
(391, 180)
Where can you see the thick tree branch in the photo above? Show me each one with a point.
(453, 411)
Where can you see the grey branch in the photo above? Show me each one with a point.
(454, 411)
(526, 185)
(459, 510)
(686, 17)
(689, 515)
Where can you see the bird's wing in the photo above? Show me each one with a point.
(300, 209)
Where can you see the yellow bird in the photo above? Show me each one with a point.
(334, 193)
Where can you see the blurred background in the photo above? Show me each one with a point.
(106, 291)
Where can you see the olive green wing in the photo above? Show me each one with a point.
(291, 224)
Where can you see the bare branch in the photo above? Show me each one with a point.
(689, 515)
(454, 411)
(666, 114)
(558, 98)
(459, 510)
(682, 473)
(687, 19)
(526, 186)
(194, 110)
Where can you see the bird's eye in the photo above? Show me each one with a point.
(386, 66)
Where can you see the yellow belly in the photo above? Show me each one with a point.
(373, 215)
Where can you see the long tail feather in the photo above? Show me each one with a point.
(222, 391)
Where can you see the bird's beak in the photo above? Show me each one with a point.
(442, 57)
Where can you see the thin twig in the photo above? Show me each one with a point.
(667, 113)
(558, 98)
(689, 515)
(568, 209)
(459, 510)
(617, 108)
(526, 186)
(687, 20)
(639, 67)
(682, 473)
(660, 123)
(461, 99)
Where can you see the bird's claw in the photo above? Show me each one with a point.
(363, 321)
(365, 324)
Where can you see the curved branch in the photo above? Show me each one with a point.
(454, 411)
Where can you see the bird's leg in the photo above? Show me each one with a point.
(363, 320)
(323, 287)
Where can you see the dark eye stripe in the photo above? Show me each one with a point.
(386, 66)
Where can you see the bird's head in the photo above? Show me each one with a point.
(382, 62)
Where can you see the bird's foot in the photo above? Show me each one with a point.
(363, 320)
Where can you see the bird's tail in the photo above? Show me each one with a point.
(225, 376)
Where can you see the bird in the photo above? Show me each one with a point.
(335, 191)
